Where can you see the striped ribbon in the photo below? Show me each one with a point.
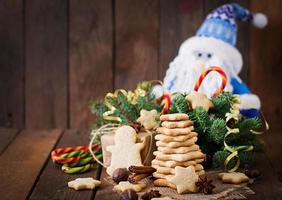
(206, 72)
(76, 159)
(82, 166)
(71, 154)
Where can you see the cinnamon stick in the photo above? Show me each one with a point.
(137, 177)
(141, 169)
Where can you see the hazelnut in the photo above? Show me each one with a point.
(129, 195)
(120, 174)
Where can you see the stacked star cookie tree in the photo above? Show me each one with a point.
(176, 148)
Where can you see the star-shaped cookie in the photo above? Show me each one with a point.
(198, 99)
(185, 179)
(233, 177)
(148, 119)
(125, 185)
(84, 183)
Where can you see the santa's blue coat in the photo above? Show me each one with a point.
(241, 88)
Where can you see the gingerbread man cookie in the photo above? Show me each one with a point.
(126, 151)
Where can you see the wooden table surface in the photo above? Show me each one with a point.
(27, 172)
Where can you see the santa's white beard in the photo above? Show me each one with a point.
(185, 70)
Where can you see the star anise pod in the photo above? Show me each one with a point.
(150, 195)
(204, 185)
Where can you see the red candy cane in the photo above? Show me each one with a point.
(56, 153)
(166, 101)
(205, 73)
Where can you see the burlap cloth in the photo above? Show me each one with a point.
(221, 191)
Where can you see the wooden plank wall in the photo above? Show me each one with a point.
(56, 55)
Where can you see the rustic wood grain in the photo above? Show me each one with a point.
(23, 160)
(11, 64)
(265, 187)
(46, 63)
(105, 192)
(269, 164)
(266, 61)
(6, 137)
(91, 57)
(243, 37)
(273, 144)
(179, 20)
(136, 42)
(56, 180)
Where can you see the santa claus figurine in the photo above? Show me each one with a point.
(214, 45)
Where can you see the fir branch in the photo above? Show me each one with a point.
(201, 119)
(247, 159)
(245, 136)
(217, 131)
(247, 124)
(126, 108)
(218, 159)
(147, 103)
(179, 104)
(98, 107)
(222, 103)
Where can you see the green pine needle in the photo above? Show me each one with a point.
(218, 159)
(217, 131)
(179, 104)
(247, 124)
(201, 119)
(222, 103)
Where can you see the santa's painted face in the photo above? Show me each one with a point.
(186, 68)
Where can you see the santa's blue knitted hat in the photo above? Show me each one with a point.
(221, 22)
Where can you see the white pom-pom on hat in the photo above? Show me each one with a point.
(259, 20)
